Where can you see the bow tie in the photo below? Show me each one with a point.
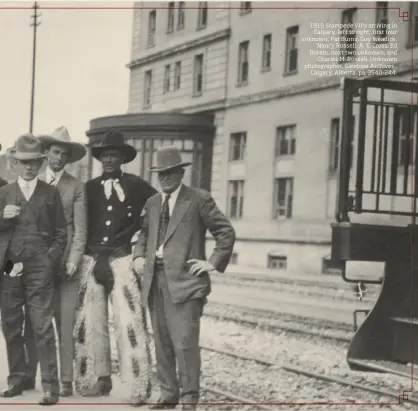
(113, 183)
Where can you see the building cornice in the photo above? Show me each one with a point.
(181, 48)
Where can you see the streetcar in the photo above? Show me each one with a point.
(376, 218)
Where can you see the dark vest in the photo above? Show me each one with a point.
(26, 240)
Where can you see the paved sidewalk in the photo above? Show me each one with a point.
(118, 399)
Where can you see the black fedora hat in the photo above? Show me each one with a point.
(114, 140)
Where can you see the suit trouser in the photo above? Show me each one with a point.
(65, 302)
(34, 290)
(176, 329)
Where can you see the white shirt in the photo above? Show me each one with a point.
(27, 187)
(50, 174)
(171, 203)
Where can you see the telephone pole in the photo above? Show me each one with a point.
(35, 23)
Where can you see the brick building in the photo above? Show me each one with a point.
(227, 82)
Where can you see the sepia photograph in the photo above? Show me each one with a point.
(209, 205)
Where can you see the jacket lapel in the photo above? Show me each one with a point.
(39, 196)
(182, 205)
(155, 215)
(12, 194)
(62, 183)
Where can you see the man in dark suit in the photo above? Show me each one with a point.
(170, 256)
(32, 239)
(62, 151)
(115, 202)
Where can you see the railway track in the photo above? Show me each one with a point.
(304, 286)
(233, 399)
(381, 393)
(278, 323)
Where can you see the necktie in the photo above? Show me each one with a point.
(52, 180)
(164, 220)
(113, 183)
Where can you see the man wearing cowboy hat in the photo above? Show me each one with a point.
(33, 236)
(170, 257)
(62, 151)
(115, 203)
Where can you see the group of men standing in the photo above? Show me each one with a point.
(65, 249)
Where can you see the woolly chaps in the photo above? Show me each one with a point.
(91, 331)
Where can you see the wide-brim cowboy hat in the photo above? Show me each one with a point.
(168, 158)
(61, 136)
(114, 140)
(27, 147)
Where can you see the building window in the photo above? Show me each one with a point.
(237, 147)
(177, 75)
(291, 50)
(152, 25)
(202, 15)
(180, 16)
(147, 88)
(245, 7)
(348, 40)
(283, 198)
(198, 75)
(167, 75)
(414, 21)
(285, 141)
(235, 198)
(382, 19)
(335, 145)
(278, 262)
(266, 59)
(243, 65)
(170, 18)
(234, 258)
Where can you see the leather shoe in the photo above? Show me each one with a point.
(48, 399)
(102, 387)
(66, 389)
(163, 405)
(28, 384)
(11, 391)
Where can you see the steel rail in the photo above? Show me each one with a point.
(277, 327)
(300, 371)
(289, 368)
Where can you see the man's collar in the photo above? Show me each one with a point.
(56, 174)
(174, 194)
(25, 183)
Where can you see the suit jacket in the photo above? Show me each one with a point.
(3, 182)
(194, 213)
(50, 218)
(73, 198)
